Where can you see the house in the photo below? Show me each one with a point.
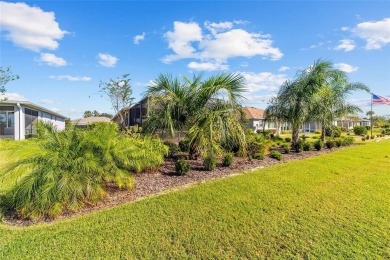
(83, 122)
(256, 119)
(133, 115)
(18, 119)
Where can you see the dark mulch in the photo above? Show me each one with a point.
(154, 183)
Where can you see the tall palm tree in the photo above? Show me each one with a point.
(331, 104)
(275, 112)
(208, 109)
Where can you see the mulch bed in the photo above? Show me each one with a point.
(164, 180)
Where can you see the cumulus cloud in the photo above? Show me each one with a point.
(12, 97)
(207, 66)
(346, 45)
(70, 78)
(345, 67)
(218, 43)
(284, 68)
(107, 60)
(138, 38)
(376, 34)
(30, 27)
(52, 60)
(263, 81)
(180, 40)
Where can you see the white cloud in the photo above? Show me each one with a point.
(12, 97)
(344, 29)
(30, 27)
(107, 60)
(244, 64)
(376, 34)
(139, 38)
(346, 45)
(222, 43)
(52, 60)
(218, 27)
(46, 101)
(263, 81)
(284, 68)
(207, 66)
(345, 67)
(180, 40)
(70, 78)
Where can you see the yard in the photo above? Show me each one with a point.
(331, 206)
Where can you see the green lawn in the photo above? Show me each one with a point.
(332, 206)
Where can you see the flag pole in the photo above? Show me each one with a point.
(371, 116)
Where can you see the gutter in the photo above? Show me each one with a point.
(20, 120)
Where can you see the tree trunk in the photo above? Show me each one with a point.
(295, 134)
(323, 133)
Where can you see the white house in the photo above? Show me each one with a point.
(18, 119)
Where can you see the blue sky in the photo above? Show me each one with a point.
(62, 50)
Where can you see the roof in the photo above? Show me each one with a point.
(32, 105)
(253, 113)
(92, 119)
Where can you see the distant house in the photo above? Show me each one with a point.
(82, 123)
(256, 119)
(133, 115)
(18, 119)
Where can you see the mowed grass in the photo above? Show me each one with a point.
(331, 206)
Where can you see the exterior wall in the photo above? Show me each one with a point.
(58, 122)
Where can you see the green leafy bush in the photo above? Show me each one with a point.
(338, 142)
(227, 159)
(182, 167)
(348, 140)
(330, 144)
(184, 145)
(287, 139)
(333, 131)
(277, 155)
(318, 145)
(209, 163)
(363, 139)
(258, 156)
(298, 147)
(69, 168)
(318, 132)
(360, 130)
(307, 146)
(173, 149)
(286, 147)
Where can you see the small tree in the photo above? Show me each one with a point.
(119, 93)
(6, 76)
(87, 114)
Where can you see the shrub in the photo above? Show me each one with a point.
(277, 155)
(256, 147)
(318, 132)
(333, 131)
(338, 142)
(70, 168)
(209, 163)
(318, 145)
(184, 145)
(360, 130)
(277, 138)
(307, 146)
(367, 137)
(286, 147)
(298, 147)
(348, 140)
(227, 160)
(363, 139)
(368, 127)
(172, 149)
(330, 144)
(258, 156)
(182, 167)
(287, 139)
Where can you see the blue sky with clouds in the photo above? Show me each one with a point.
(63, 49)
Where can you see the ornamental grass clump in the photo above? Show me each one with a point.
(307, 146)
(66, 170)
(277, 155)
(209, 163)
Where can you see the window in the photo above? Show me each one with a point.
(7, 120)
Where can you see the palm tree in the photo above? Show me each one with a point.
(196, 105)
(275, 112)
(331, 101)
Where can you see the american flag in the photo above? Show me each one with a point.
(380, 100)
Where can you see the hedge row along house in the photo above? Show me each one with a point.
(256, 120)
(18, 119)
